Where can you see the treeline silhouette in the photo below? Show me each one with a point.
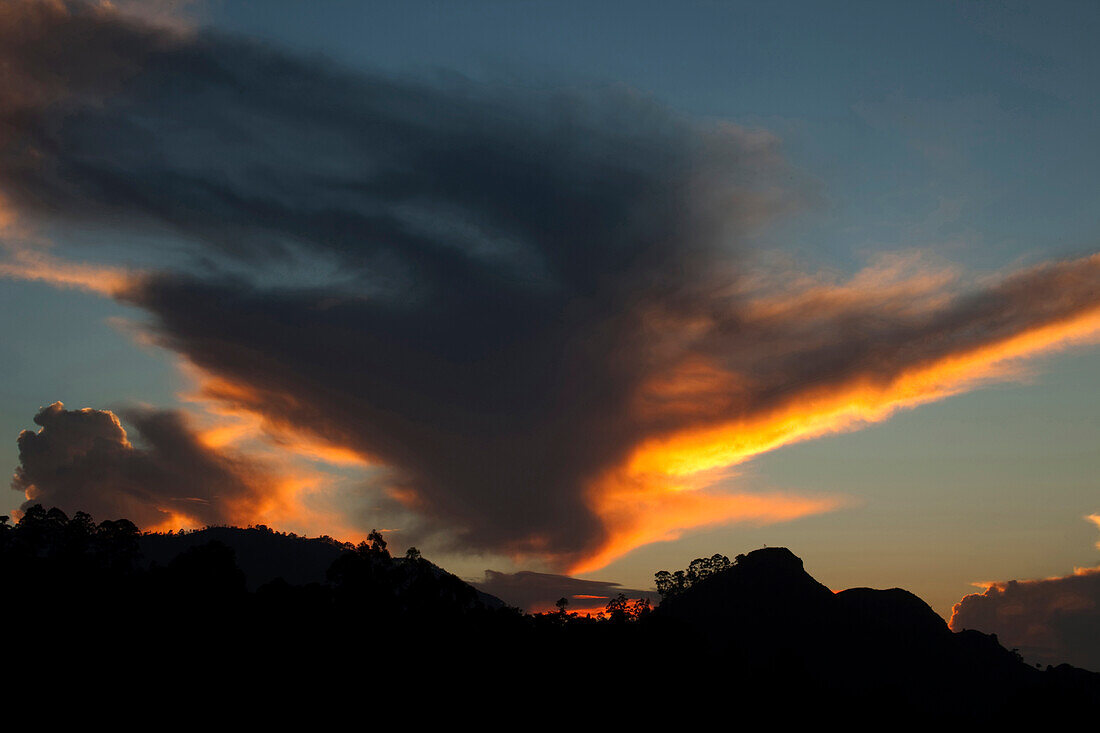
(85, 608)
(701, 568)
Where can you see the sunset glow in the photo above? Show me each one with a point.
(838, 408)
(543, 308)
(27, 264)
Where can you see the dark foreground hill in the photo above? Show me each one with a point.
(887, 646)
(261, 554)
(148, 620)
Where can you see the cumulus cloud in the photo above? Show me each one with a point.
(83, 460)
(538, 309)
(1051, 621)
(539, 592)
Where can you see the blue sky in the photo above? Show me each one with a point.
(964, 131)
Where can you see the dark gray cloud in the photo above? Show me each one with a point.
(417, 189)
(484, 245)
(499, 293)
(82, 460)
(538, 592)
(1051, 621)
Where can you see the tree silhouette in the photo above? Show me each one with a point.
(617, 609)
(701, 568)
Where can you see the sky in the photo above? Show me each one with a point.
(563, 289)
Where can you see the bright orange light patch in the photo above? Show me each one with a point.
(174, 521)
(231, 421)
(700, 414)
(295, 492)
(663, 488)
(581, 609)
(27, 264)
(834, 408)
(656, 495)
(639, 509)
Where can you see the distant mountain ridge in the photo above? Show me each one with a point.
(264, 555)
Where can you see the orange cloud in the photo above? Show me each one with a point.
(286, 493)
(666, 485)
(37, 266)
(661, 490)
(299, 493)
(861, 401)
(229, 418)
(638, 511)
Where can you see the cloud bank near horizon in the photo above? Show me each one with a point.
(84, 460)
(540, 310)
(539, 592)
(1050, 620)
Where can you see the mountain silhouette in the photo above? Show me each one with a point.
(105, 608)
(887, 647)
(266, 556)
(263, 555)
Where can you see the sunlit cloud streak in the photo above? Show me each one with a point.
(22, 263)
(540, 311)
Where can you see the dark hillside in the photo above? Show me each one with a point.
(887, 646)
(262, 554)
(756, 634)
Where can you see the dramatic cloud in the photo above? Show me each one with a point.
(539, 592)
(537, 309)
(1051, 621)
(82, 460)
